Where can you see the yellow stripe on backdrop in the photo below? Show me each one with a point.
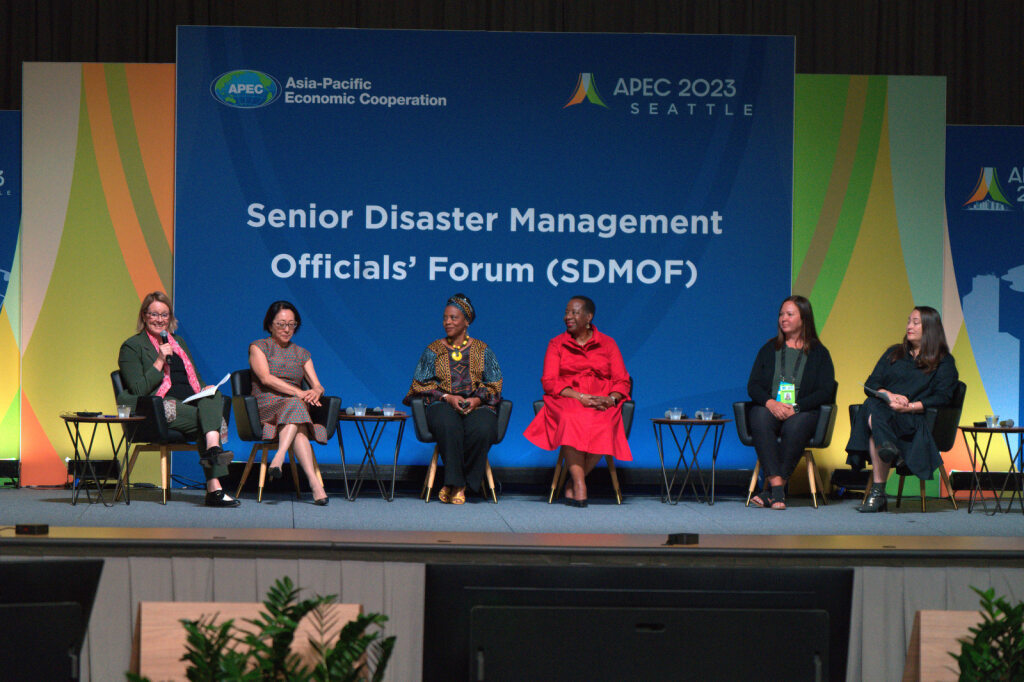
(106, 255)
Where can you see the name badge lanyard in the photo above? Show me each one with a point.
(787, 384)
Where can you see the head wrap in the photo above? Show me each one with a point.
(462, 302)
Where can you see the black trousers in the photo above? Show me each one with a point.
(463, 441)
(779, 444)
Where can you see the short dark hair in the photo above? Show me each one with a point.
(588, 305)
(274, 309)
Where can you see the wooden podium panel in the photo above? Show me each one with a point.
(159, 640)
(936, 634)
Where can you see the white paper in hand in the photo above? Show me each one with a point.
(209, 390)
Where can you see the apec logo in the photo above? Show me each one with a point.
(245, 89)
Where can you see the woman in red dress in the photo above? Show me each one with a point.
(585, 382)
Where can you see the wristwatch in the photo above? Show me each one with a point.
(796, 408)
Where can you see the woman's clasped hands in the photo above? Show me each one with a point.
(462, 405)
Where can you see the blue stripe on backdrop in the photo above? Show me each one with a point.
(10, 194)
(488, 138)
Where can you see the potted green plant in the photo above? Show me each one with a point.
(996, 650)
(222, 651)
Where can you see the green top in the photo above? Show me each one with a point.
(789, 366)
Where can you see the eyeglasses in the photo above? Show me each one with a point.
(286, 325)
(158, 316)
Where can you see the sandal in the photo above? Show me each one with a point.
(459, 497)
(762, 499)
(445, 494)
(778, 499)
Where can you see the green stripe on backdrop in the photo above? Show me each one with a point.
(12, 299)
(818, 120)
(842, 208)
(917, 106)
(134, 169)
(10, 428)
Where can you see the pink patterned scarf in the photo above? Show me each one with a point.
(193, 380)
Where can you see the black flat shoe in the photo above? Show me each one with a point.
(217, 498)
(274, 473)
(579, 504)
(322, 502)
(877, 501)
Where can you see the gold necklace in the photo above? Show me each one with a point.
(457, 350)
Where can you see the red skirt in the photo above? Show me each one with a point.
(565, 421)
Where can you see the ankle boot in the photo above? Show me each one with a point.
(876, 501)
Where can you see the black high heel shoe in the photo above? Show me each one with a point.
(877, 500)
(274, 473)
(322, 502)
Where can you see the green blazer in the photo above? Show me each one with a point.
(140, 377)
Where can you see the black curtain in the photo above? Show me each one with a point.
(978, 46)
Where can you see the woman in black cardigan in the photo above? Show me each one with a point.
(891, 425)
(791, 378)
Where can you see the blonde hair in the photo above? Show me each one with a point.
(161, 297)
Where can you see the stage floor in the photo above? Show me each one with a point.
(522, 526)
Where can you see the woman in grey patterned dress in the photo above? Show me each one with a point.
(279, 367)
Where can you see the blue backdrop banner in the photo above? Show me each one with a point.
(366, 176)
(10, 194)
(985, 213)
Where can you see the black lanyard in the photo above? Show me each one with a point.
(797, 366)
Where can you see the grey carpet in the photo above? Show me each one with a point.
(515, 513)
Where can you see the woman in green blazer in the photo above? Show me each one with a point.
(156, 362)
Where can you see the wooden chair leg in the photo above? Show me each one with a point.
(949, 488)
(821, 485)
(562, 477)
(247, 469)
(428, 483)
(165, 471)
(126, 474)
(615, 478)
(810, 477)
(753, 482)
(867, 489)
(899, 491)
(921, 482)
(490, 482)
(555, 478)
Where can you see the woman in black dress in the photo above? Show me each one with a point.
(891, 427)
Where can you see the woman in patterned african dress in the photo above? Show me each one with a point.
(460, 382)
(278, 368)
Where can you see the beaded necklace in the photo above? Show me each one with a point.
(456, 353)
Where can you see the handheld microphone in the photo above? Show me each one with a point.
(163, 339)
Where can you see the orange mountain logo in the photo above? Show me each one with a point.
(988, 195)
(586, 89)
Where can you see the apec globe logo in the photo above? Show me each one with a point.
(245, 89)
